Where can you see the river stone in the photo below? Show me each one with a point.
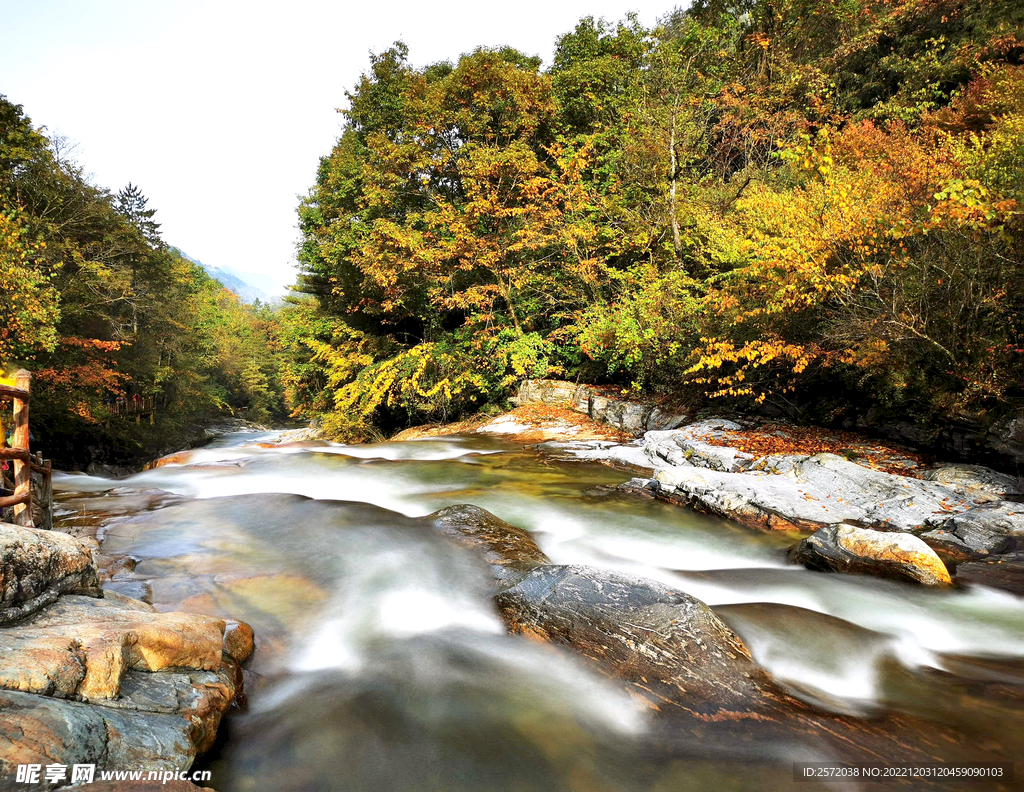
(636, 629)
(43, 730)
(239, 641)
(974, 477)
(82, 647)
(37, 566)
(1005, 572)
(508, 550)
(847, 548)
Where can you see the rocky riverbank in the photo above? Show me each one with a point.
(862, 506)
(89, 676)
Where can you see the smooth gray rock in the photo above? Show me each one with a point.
(974, 477)
(760, 500)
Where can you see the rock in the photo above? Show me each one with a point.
(635, 629)
(136, 588)
(877, 498)
(977, 533)
(239, 641)
(508, 550)
(556, 393)
(37, 566)
(1007, 439)
(974, 477)
(813, 491)
(660, 420)
(1005, 572)
(689, 446)
(628, 416)
(43, 730)
(847, 548)
(758, 500)
(82, 647)
(677, 656)
(630, 455)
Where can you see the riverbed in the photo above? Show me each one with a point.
(382, 663)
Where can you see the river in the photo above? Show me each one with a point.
(381, 662)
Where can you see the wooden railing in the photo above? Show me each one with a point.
(25, 462)
(139, 406)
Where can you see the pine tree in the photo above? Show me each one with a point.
(131, 203)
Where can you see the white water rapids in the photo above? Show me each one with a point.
(357, 612)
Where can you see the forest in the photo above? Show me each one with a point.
(101, 310)
(802, 207)
(806, 208)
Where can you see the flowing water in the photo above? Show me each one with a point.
(381, 662)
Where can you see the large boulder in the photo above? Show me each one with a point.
(82, 647)
(635, 629)
(37, 566)
(847, 548)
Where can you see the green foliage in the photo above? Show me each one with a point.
(757, 200)
(99, 308)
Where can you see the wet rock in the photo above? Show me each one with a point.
(37, 566)
(847, 548)
(1004, 571)
(508, 550)
(974, 477)
(635, 629)
(82, 647)
(239, 641)
(136, 588)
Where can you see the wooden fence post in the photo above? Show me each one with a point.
(22, 468)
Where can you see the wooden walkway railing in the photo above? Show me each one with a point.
(25, 462)
(139, 406)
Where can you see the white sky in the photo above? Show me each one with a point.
(219, 111)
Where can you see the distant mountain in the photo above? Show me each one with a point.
(249, 286)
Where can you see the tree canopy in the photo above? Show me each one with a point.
(809, 206)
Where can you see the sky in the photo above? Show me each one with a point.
(220, 110)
